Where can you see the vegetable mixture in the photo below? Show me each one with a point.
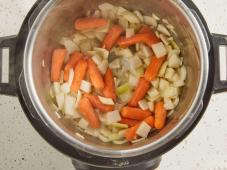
(119, 76)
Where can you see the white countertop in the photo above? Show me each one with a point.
(21, 148)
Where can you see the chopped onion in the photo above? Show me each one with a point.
(154, 99)
(51, 93)
(107, 7)
(170, 92)
(56, 88)
(80, 136)
(124, 52)
(119, 125)
(174, 45)
(83, 124)
(163, 84)
(123, 22)
(183, 73)
(176, 101)
(103, 138)
(137, 140)
(71, 76)
(65, 88)
(121, 133)
(155, 83)
(139, 15)
(169, 48)
(78, 97)
(60, 98)
(78, 37)
(125, 97)
(159, 49)
(161, 28)
(107, 101)
(85, 45)
(174, 61)
(178, 84)
(153, 92)
(104, 29)
(89, 34)
(115, 64)
(69, 45)
(143, 130)
(85, 86)
(102, 52)
(120, 142)
(100, 36)
(147, 61)
(145, 50)
(175, 77)
(168, 104)
(113, 117)
(155, 17)
(130, 32)
(150, 21)
(169, 73)
(143, 104)
(97, 59)
(165, 21)
(163, 69)
(151, 106)
(164, 39)
(133, 81)
(103, 66)
(97, 14)
(69, 105)
(123, 89)
(114, 137)
(130, 17)
(135, 62)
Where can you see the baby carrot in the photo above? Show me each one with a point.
(112, 37)
(129, 122)
(74, 58)
(57, 63)
(150, 121)
(153, 68)
(135, 113)
(97, 104)
(90, 23)
(160, 115)
(109, 90)
(147, 38)
(140, 91)
(95, 75)
(88, 112)
(131, 132)
(79, 74)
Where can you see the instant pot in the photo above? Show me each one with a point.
(29, 72)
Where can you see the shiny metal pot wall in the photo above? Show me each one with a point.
(56, 20)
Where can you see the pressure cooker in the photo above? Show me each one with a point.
(29, 72)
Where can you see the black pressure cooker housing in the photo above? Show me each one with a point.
(82, 160)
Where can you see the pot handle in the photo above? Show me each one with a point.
(7, 74)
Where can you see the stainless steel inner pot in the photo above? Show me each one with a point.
(56, 19)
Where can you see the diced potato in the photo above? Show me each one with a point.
(56, 88)
(154, 99)
(65, 88)
(135, 62)
(100, 36)
(163, 69)
(115, 64)
(71, 76)
(183, 73)
(85, 45)
(155, 83)
(163, 84)
(157, 34)
(85, 86)
(113, 117)
(161, 28)
(170, 92)
(133, 81)
(107, 7)
(127, 53)
(124, 23)
(139, 15)
(151, 106)
(107, 101)
(130, 32)
(150, 21)
(69, 45)
(78, 97)
(169, 48)
(169, 73)
(174, 52)
(176, 101)
(174, 45)
(60, 98)
(174, 61)
(145, 50)
(83, 124)
(69, 105)
(97, 59)
(178, 83)
(164, 39)
(143, 104)
(102, 52)
(103, 66)
(159, 49)
(78, 37)
(153, 92)
(143, 130)
(175, 77)
(147, 61)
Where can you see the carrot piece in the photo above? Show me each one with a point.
(90, 23)
(153, 68)
(135, 113)
(88, 112)
(109, 89)
(95, 75)
(147, 38)
(144, 29)
(129, 122)
(112, 37)
(131, 132)
(97, 104)
(79, 74)
(57, 63)
(160, 115)
(150, 121)
(74, 58)
(141, 90)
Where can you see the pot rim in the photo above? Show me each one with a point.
(188, 119)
